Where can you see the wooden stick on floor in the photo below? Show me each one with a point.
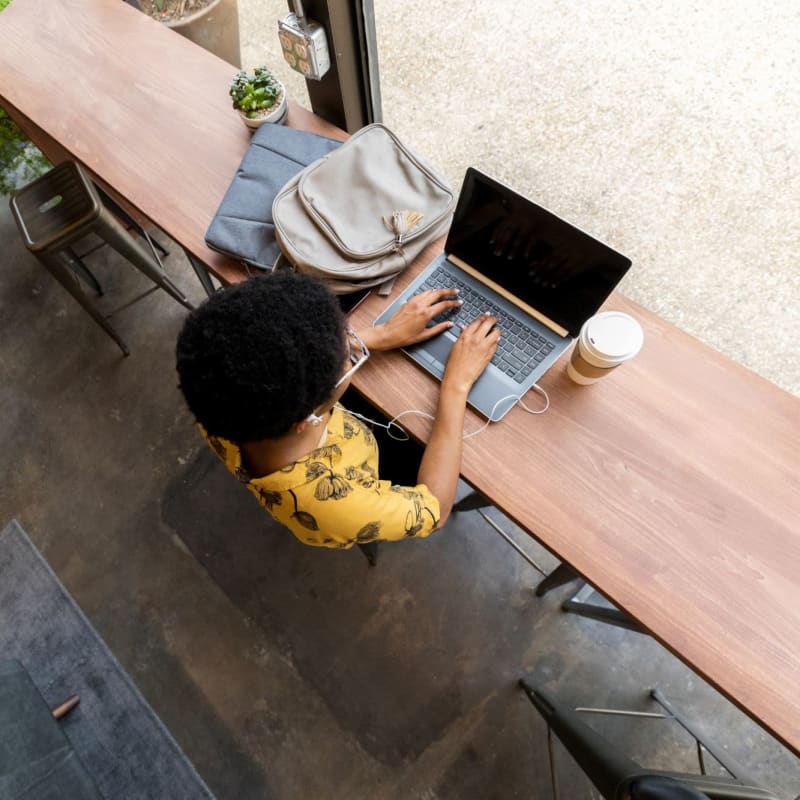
(66, 706)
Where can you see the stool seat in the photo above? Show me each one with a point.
(56, 208)
(62, 206)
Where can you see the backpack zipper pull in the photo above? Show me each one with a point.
(400, 223)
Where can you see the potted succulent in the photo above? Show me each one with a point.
(259, 97)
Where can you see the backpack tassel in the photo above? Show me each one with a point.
(400, 223)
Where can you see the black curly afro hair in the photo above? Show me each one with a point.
(259, 356)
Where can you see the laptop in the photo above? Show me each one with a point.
(540, 276)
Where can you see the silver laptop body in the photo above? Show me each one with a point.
(540, 276)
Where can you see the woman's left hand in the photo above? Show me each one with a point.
(408, 325)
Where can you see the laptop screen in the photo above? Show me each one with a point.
(537, 257)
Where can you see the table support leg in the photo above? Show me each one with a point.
(613, 616)
(578, 604)
(202, 273)
(471, 501)
(562, 574)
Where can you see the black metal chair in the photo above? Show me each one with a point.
(61, 207)
(618, 777)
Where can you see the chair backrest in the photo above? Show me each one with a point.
(658, 787)
(686, 786)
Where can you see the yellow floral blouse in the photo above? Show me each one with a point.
(333, 497)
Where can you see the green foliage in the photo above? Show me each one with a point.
(159, 4)
(20, 160)
(255, 91)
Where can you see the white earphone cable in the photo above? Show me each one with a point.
(405, 437)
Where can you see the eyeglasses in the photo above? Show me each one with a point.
(357, 354)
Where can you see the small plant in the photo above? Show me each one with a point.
(256, 92)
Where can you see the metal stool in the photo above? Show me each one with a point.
(618, 777)
(63, 206)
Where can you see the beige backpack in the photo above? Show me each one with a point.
(360, 215)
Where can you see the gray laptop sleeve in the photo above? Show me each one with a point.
(242, 227)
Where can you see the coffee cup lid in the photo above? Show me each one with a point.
(612, 336)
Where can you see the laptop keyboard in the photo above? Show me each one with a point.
(520, 350)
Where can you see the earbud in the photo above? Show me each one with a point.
(313, 419)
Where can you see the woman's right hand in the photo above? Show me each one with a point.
(471, 354)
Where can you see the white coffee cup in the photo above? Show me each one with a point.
(606, 340)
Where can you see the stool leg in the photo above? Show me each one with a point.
(58, 266)
(78, 266)
(111, 231)
(202, 273)
(120, 212)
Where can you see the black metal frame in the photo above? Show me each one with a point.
(102, 217)
(618, 777)
(578, 603)
(349, 94)
(203, 275)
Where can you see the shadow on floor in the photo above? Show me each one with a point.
(398, 652)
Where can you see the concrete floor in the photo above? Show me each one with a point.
(285, 671)
(289, 672)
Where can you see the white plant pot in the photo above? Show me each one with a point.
(276, 115)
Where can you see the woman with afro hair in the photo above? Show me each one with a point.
(263, 366)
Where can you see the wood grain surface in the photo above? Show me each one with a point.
(142, 107)
(673, 485)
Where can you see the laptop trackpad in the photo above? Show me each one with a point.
(436, 349)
